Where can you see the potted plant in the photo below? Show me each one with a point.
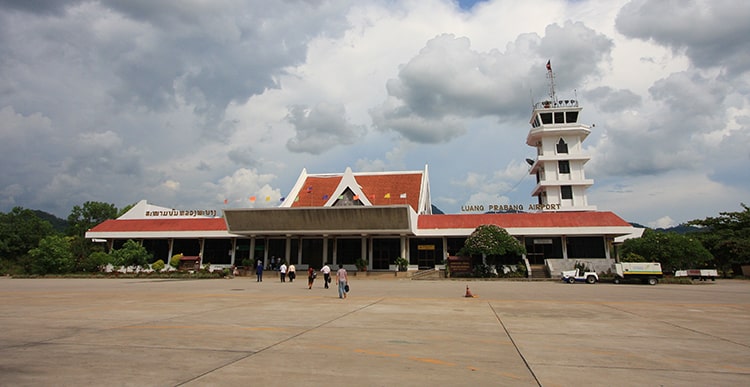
(402, 263)
(361, 264)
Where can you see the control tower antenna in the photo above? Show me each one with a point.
(551, 77)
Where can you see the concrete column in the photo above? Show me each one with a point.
(234, 250)
(335, 253)
(363, 252)
(405, 248)
(171, 249)
(251, 253)
(202, 242)
(299, 252)
(287, 250)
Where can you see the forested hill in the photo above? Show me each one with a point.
(59, 225)
(679, 229)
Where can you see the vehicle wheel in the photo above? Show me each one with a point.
(653, 281)
(571, 280)
(590, 279)
(616, 280)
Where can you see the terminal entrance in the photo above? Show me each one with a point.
(539, 249)
(426, 252)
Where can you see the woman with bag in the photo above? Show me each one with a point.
(342, 280)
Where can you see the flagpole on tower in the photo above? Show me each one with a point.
(551, 77)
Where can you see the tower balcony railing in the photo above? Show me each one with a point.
(548, 104)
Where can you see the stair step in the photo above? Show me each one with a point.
(538, 272)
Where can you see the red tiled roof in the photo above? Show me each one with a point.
(316, 191)
(161, 224)
(375, 186)
(529, 220)
(425, 222)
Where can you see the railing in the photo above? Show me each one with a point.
(556, 104)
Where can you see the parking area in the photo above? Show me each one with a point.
(387, 332)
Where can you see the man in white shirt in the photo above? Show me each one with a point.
(282, 271)
(326, 275)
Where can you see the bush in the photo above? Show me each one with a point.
(53, 256)
(94, 262)
(175, 260)
(8, 267)
(513, 271)
(633, 257)
(158, 265)
(483, 271)
(131, 254)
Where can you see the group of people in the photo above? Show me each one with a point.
(342, 278)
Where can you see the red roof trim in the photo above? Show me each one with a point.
(425, 222)
(523, 220)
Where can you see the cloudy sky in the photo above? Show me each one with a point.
(188, 103)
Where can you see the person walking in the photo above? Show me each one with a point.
(259, 271)
(291, 272)
(282, 271)
(342, 280)
(326, 270)
(310, 277)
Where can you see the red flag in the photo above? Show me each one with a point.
(549, 65)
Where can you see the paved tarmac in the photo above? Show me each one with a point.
(231, 332)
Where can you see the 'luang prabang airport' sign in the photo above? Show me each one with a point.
(508, 207)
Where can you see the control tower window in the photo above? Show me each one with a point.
(546, 118)
(563, 166)
(559, 117)
(566, 191)
(562, 147)
(571, 117)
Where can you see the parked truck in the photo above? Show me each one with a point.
(702, 274)
(646, 272)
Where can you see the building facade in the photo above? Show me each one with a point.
(377, 217)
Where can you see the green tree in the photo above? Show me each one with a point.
(727, 237)
(53, 256)
(494, 243)
(125, 209)
(81, 219)
(672, 250)
(20, 231)
(131, 254)
(95, 262)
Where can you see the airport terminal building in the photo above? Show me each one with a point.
(380, 216)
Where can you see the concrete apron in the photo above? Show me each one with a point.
(238, 331)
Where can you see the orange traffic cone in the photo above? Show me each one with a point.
(468, 292)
